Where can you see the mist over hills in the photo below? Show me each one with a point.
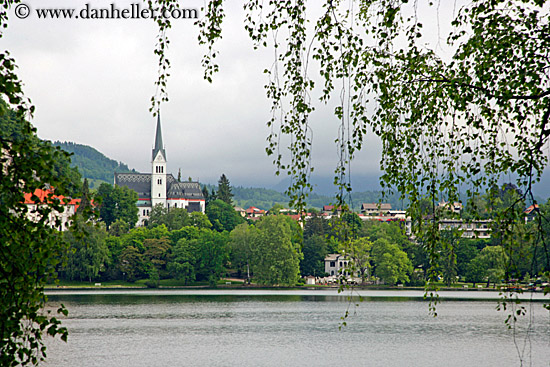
(98, 168)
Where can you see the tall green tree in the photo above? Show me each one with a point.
(202, 258)
(359, 252)
(117, 202)
(157, 253)
(391, 263)
(316, 225)
(132, 265)
(172, 218)
(88, 254)
(276, 258)
(223, 216)
(181, 265)
(241, 243)
(224, 190)
(315, 250)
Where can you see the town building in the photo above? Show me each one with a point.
(334, 263)
(332, 210)
(58, 220)
(160, 187)
(375, 208)
(253, 212)
(469, 229)
(455, 207)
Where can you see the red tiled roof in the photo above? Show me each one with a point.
(531, 208)
(47, 195)
(253, 209)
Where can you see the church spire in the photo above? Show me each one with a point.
(158, 141)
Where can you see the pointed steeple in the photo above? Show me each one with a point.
(159, 146)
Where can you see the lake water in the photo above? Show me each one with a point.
(292, 328)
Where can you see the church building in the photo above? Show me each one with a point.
(159, 187)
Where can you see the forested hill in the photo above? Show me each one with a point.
(92, 164)
(267, 198)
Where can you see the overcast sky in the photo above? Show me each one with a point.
(92, 80)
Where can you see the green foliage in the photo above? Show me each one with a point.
(276, 258)
(117, 202)
(88, 253)
(222, 216)
(199, 220)
(172, 218)
(201, 258)
(157, 252)
(131, 264)
(224, 190)
(315, 250)
(464, 114)
(316, 226)
(92, 164)
(30, 250)
(181, 265)
(489, 264)
(359, 252)
(391, 263)
(241, 244)
(118, 228)
(448, 261)
(465, 252)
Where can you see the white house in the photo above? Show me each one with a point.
(333, 264)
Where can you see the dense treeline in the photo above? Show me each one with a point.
(275, 250)
(92, 164)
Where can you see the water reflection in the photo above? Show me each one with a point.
(272, 328)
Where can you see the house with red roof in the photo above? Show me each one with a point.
(42, 197)
(253, 212)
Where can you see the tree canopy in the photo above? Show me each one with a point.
(457, 107)
(224, 190)
(30, 246)
(117, 202)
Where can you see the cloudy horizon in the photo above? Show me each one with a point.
(92, 80)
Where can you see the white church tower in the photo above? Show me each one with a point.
(158, 177)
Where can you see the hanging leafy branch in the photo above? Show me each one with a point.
(30, 248)
(466, 121)
(158, 8)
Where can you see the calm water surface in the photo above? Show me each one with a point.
(292, 328)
